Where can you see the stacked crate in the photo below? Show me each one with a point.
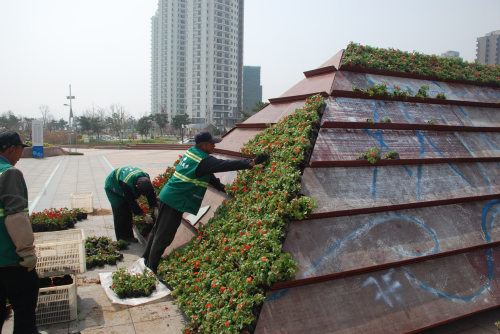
(61, 255)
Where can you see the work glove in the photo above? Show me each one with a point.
(157, 212)
(261, 158)
(148, 219)
(29, 262)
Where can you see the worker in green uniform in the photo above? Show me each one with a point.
(123, 187)
(18, 279)
(184, 192)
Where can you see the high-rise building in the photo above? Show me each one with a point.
(451, 54)
(197, 60)
(252, 90)
(488, 48)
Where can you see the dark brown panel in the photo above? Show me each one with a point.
(340, 109)
(344, 81)
(343, 188)
(336, 245)
(390, 301)
(413, 76)
(347, 144)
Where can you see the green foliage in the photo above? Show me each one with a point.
(179, 120)
(371, 121)
(422, 92)
(386, 119)
(217, 276)
(418, 63)
(144, 125)
(441, 96)
(124, 282)
(431, 122)
(371, 155)
(161, 120)
(391, 155)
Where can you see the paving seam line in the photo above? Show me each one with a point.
(40, 193)
(107, 162)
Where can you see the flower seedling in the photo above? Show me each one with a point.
(371, 121)
(441, 96)
(371, 155)
(386, 119)
(431, 122)
(392, 155)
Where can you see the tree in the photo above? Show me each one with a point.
(144, 125)
(118, 120)
(45, 110)
(161, 120)
(62, 123)
(84, 123)
(179, 120)
(246, 115)
(51, 123)
(259, 106)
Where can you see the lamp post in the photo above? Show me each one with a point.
(183, 126)
(70, 97)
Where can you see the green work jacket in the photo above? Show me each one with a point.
(128, 175)
(184, 192)
(7, 247)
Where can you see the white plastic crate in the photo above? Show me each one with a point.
(83, 201)
(57, 304)
(60, 252)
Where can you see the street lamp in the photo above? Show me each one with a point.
(70, 97)
(183, 126)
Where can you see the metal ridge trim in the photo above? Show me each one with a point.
(365, 270)
(294, 98)
(319, 71)
(394, 162)
(396, 207)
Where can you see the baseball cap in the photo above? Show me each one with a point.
(10, 138)
(206, 137)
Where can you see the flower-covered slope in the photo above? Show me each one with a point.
(418, 63)
(218, 278)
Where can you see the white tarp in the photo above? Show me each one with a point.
(137, 268)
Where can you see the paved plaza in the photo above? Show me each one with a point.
(50, 183)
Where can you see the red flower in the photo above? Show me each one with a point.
(249, 279)
(227, 323)
(264, 258)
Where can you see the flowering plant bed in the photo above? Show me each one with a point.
(54, 219)
(381, 90)
(102, 250)
(126, 285)
(220, 277)
(418, 63)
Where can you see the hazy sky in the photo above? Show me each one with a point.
(102, 47)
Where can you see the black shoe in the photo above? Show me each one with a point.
(134, 240)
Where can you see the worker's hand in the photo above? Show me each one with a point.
(148, 219)
(29, 262)
(261, 158)
(157, 212)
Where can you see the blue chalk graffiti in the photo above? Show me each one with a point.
(486, 228)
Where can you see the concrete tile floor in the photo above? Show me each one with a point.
(96, 313)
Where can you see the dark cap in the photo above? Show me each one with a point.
(144, 186)
(10, 138)
(206, 137)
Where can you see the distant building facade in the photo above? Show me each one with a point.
(451, 54)
(252, 89)
(197, 60)
(488, 48)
